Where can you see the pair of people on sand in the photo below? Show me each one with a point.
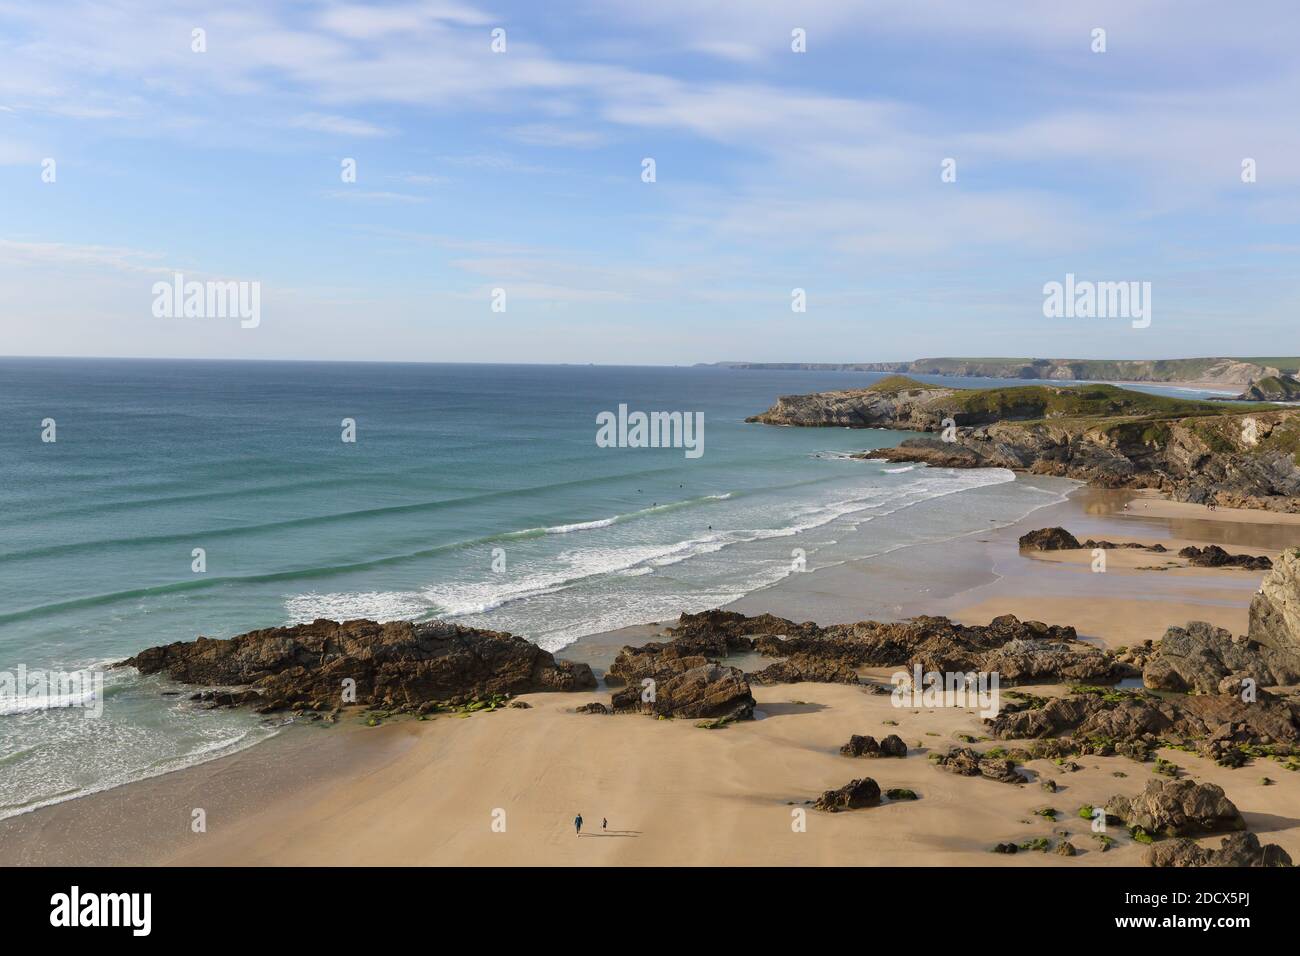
(577, 824)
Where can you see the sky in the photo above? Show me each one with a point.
(128, 155)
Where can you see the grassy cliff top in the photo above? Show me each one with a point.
(893, 384)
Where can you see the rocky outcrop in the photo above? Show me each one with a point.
(1238, 849)
(1178, 808)
(1018, 650)
(1111, 437)
(398, 665)
(1213, 556)
(852, 796)
(1275, 610)
(1058, 539)
(1234, 460)
(1199, 657)
(800, 668)
(891, 403)
(866, 746)
(689, 687)
(1049, 539)
(1135, 724)
(970, 763)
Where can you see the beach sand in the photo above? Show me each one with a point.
(429, 793)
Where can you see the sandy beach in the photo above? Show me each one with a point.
(504, 787)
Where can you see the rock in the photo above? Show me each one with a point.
(1006, 848)
(1239, 849)
(969, 763)
(1066, 848)
(1049, 539)
(1017, 650)
(707, 690)
(852, 796)
(860, 746)
(902, 793)
(893, 746)
(1199, 657)
(398, 665)
(1275, 610)
(1213, 556)
(595, 707)
(521, 704)
(1178, 808)
(806, 668)
(1048, 784)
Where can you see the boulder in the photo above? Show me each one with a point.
(852, 796)
(1199, 657)
(860, 746)
(708, 690)
(1049, 539)
(893, 746)
(1178, 808)
(399, 665)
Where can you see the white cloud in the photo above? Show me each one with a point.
(337, 125)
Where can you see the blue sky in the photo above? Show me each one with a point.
(522, 170)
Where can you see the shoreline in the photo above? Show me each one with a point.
(291, 792)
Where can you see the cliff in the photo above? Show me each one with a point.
(1217, 371)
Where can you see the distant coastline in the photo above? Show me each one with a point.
(1209, 373)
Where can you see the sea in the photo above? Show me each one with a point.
(149, 501)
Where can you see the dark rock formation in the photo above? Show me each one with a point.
(866, 746)
(398, 665)
(893, 746)
(800, 668)
(1049, 539)
(852, 796)
(1178, 808)
(1058, 539)
(1213, 556)
(969, 763)
(1136, 724)
(1239, 849)
(860, 746)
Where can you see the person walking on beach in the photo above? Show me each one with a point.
(577, 824)
(604, 823)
